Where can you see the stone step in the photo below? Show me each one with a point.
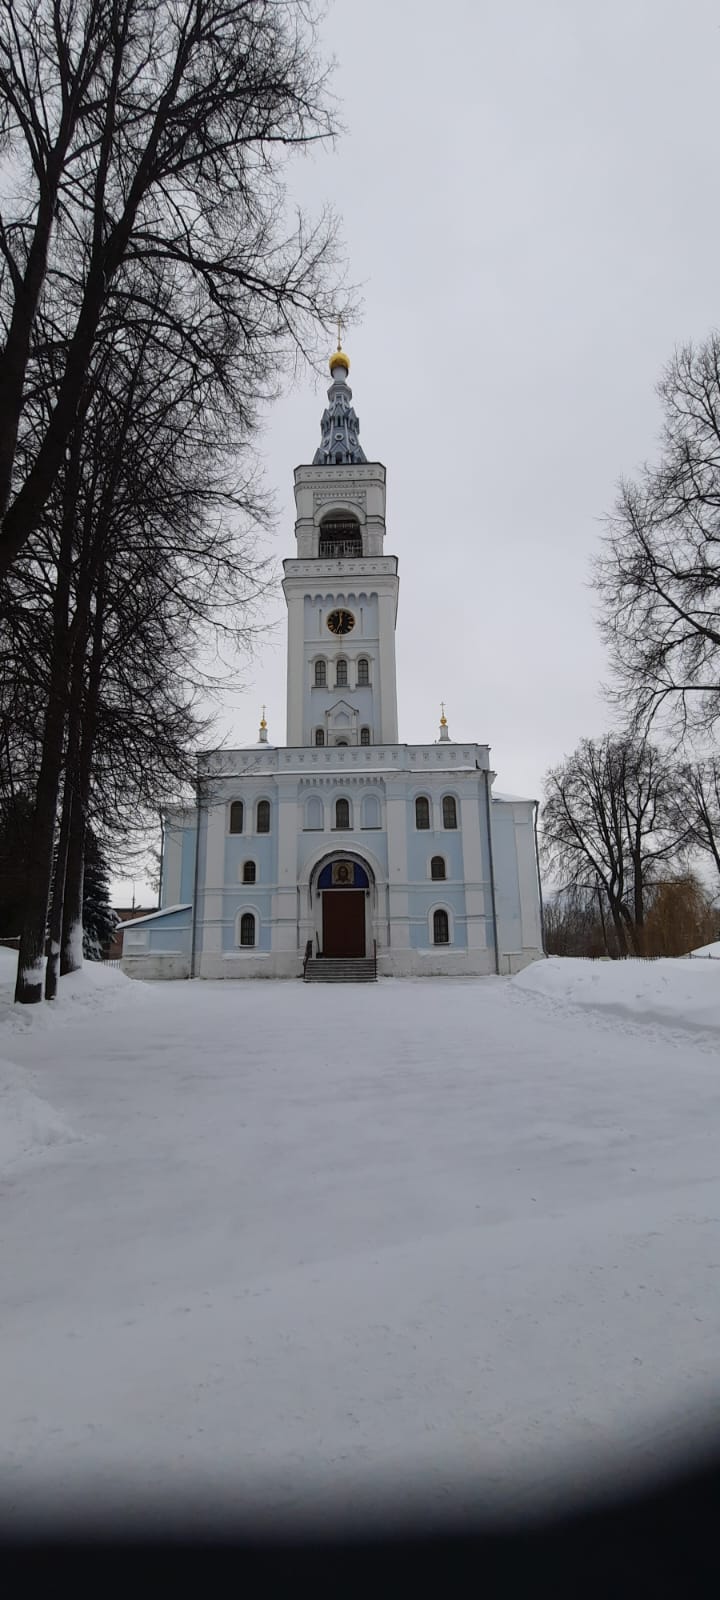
(341, 969)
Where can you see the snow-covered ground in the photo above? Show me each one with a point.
(271, 1243)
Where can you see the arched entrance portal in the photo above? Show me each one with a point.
(344, 888)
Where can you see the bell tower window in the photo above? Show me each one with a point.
(340, 536)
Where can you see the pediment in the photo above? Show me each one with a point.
(342, 712)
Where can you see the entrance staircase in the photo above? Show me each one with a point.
(340, 969)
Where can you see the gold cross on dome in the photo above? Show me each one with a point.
(340, 331)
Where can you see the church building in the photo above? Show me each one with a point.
(344, 853)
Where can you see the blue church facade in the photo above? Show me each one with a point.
(345, 841)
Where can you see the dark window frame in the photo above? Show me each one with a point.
(421, 800)
(449, 813)
(441, 926)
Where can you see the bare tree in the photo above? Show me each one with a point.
(146, 551)
(143, 132)
(698, 805)
(608, 821)
(659, 574)
(575, 922)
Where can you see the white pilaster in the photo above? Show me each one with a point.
(473, 868)
(396, 815)
(212, 900)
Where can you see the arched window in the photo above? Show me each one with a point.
(363, 672)
(340, 536)
(249, 872)
(437, 867)
(314, 813)
(449, 811)
(236, 816)
(247, 928)
(342, 742)
(319, 735)
(263, 816)
(341, 675)
(441, 927)
(342, 814)
(370, 811)
(320, 674)
(422, 812)
(364, 735)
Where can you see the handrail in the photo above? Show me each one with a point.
(307, 956)
(375, 957)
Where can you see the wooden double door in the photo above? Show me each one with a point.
(343, 920)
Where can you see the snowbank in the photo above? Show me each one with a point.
(678, 994)
(95, 987)
(27, 1123)
(711, 950)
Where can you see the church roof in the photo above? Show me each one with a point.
(165, 911)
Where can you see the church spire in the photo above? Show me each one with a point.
(340, 426)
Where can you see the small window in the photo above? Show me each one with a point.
(364, 735)
(263, 816)
(449, 811)
(236, 816)
(247, 928)
(249, 872)
(342, 742)
(422, 812)
(320, 674)
(441, 928)
(437, 867)
(342, 814)
(363, 672)
(319, 735)
(341, 677)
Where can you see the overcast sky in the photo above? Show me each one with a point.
(530, 202)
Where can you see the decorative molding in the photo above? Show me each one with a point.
(323, 497)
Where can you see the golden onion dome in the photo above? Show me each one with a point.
(339, 359)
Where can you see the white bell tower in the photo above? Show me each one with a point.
(341, 590)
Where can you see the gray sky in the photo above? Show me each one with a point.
(529, 194)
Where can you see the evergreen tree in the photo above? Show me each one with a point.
(98, 915)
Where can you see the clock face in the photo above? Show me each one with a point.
(341, 621)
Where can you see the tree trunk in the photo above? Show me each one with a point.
(81, 773)
(71, 944)
(52, 967)
(620, 933)
(29, 983)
